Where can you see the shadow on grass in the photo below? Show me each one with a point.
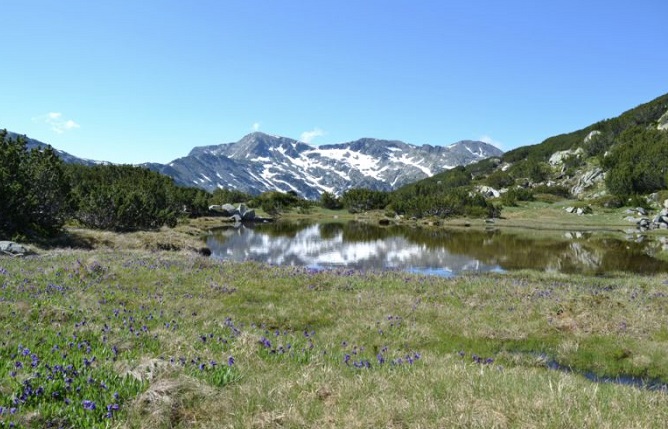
(65, 240)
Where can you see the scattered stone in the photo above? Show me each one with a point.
(641, 211)
(579, 210)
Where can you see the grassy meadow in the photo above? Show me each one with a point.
(130, 338)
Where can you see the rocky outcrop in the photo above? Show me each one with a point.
(663, 122)
(591, 135)
(587, 180)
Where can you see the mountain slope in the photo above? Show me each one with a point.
(66, 157)
(582, 162)
(260, 162)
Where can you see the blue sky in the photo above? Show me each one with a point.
(132, 81)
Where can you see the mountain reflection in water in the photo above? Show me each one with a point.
(428, 251)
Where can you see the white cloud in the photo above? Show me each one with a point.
(489, 140)
(308, 136)
(256, 126)
(56, 122)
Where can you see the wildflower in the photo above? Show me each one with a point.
(88, 405)
(230, 361)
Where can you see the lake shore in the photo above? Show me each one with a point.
(186, 341)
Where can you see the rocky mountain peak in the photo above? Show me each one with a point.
(260, 162)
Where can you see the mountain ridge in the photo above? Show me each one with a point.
(260, 162)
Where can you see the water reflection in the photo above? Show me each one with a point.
(429, 251)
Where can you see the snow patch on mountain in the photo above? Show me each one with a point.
(260, 162)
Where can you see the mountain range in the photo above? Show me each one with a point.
(260, 162)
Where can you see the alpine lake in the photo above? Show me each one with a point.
(441, 252)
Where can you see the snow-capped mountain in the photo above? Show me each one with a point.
(260, 162)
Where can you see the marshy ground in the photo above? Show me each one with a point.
(129, 337)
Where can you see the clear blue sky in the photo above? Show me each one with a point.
(130, 81)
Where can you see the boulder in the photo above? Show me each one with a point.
(236, 218)
(570, 209)
(665, 204)
(215, 208)
(489, 192)
(13, 249)
(248, 215)
(591, 135)
(558, 158)
(229, 209)
(641, 211)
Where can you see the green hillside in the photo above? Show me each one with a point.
(614, 158)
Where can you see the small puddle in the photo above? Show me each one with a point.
(625, 380)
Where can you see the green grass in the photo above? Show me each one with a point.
(309, 349)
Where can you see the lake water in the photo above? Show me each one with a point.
(443, 252)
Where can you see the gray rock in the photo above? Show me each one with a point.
(587, 180)
(579, 211)
(560, 157)
(242, 209)
(665, 203)
(641, 211)
(249, 215)
(229, 209)
(236, 218)
(13, 249)
(591, 135)
(664, 212)
(488, 192)
(570, 209)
